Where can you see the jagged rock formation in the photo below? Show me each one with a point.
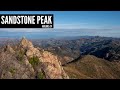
(52, 66)
(27, 62)
(9, 49)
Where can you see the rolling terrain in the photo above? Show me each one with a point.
(91, 67)
(88, 57)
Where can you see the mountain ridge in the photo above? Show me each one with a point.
(60, 59)
(92, 67)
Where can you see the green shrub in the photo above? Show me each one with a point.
(41, 75)
(20, 55)
(34, 61)
(12, 70)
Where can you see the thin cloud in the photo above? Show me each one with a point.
(70, 26)
(25, 30)
(85, 26)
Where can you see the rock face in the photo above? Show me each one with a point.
(9, 49)
(50, 64)
(31, 51)
(25, 43)
(11, 68)
(27, 62)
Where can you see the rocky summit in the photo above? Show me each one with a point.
(25, 61)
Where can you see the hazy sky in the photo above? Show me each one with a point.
(79, 19)
(104, 23)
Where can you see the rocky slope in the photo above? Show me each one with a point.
(24, 61)
(91, 67)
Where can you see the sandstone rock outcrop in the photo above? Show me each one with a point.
(24, 61)
(52, 66)
(9, 49)
(49, 63)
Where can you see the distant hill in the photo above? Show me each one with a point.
(91, 67)
(102, 47)
(107, 48)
